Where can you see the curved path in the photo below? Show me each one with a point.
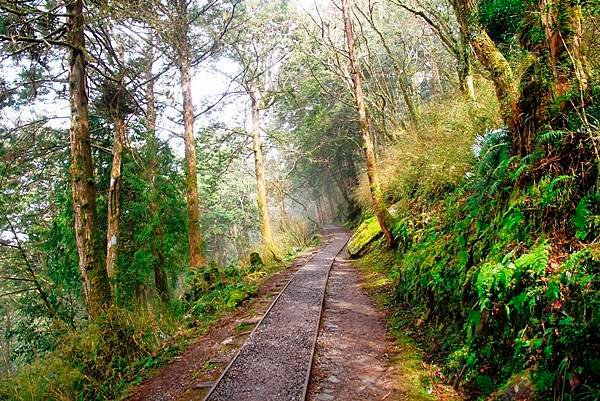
(274, 364)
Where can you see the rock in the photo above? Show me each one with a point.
(332, 327)
(255, 260)
(324, 397)
(366, 233)
(204, 385)
(518, 388)
(333, 379)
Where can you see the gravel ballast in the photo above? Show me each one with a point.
(274, 363)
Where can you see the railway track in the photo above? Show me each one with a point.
(275, 361)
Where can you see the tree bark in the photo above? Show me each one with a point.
(193, 205)
(411, 104)
(114, 189)
(383, 216)
(488, 55)
(96, 288)
(559, 57)
(465, 69)
(160, 277)
(261, 189)
(114, 195)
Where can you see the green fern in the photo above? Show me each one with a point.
(552, 137)
(553, 190)
(525, 164)
(536, 261)
(584, 213)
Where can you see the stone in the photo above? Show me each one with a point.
(204, 385)
(255, 260)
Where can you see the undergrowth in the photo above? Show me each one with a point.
(105, 357)
(497, 275)
(433, 157)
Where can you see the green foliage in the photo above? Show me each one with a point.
(148, 240)
(587, 216)
(215, 289)
(501, 18)
(98, 361)
(487, 270)
(93, 363)
(223, 182)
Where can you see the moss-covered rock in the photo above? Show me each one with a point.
(518, 388)
(367, 232)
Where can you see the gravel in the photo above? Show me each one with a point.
(274, 362)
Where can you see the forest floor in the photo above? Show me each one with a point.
(356, 357)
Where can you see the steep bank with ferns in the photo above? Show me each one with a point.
(496, 268)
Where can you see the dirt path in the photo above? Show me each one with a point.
(353, 360)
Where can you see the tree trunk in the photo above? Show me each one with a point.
(261, 189)
(239, 248)
(488, 55)
(160, 277)
(331, 203)
(559, 57)
(564, 31)
(342, 187)
(191, 183)
(281, 203)
(114, 194)
(411, 105)
(383, 216)
(465, 69)
(96, 288)
(114, 189)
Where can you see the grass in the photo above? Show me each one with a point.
(435, 156)
(243, 327)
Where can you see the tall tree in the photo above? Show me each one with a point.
(183, 60)
(383, 215)
(96, 287)
(115, 100)
(259, 167)
(176, 24)
(257, 49)
(160, 277)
